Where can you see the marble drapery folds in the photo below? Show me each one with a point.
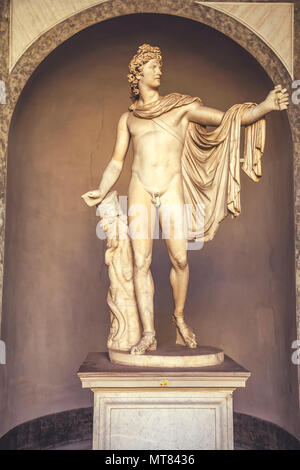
(211, 162)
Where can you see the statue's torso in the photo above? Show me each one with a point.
(157, 150)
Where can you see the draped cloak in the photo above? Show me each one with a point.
(211, 162)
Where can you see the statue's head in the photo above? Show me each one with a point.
(146, 63)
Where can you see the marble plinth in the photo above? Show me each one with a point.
(160, 409)
(170, 356)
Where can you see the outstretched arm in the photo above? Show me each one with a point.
(114, 168)
(276, 100)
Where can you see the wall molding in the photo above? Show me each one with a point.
(30, 19)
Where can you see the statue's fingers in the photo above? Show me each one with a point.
(277, 87)
(283, 106)
(283, 96)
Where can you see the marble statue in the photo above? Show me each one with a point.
(177, 162)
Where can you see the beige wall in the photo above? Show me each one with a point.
(241, 294)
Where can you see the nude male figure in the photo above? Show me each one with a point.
(156, 178)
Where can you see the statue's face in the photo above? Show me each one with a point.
(151, 74)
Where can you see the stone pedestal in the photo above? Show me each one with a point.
(155, 409)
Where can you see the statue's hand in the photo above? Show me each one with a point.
(95, 194)
(277, 99)
(92, 198)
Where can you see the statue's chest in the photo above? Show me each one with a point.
(140, 126)
(166, 123)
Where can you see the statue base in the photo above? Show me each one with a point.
(170, 356)
(160, 409)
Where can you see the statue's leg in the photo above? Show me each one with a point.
(141, 231)
(172, 222)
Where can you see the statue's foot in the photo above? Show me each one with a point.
(147, 343)
(184, 334)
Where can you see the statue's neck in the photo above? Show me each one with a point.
(147, 96)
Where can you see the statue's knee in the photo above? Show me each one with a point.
(180, 261)
(142, 263)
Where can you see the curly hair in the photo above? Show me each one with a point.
(144, 54)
